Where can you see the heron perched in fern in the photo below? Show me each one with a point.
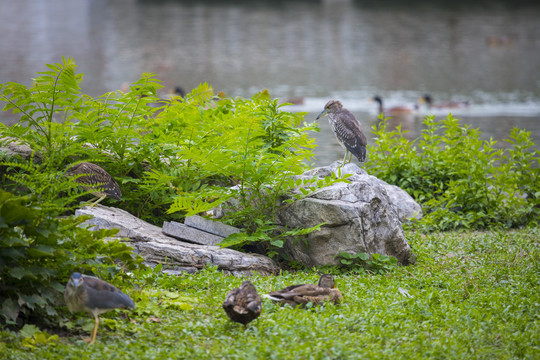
(95, 179)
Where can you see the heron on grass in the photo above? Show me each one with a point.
(95, 179)
(347, 129)
(94, 296)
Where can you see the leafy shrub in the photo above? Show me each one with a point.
(459, 179)
(265, 234)
(38, 252)
(171, 157)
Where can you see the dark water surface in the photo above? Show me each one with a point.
(487, 52)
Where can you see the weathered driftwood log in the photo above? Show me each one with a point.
(156, 247)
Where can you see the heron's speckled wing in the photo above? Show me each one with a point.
(97, 179)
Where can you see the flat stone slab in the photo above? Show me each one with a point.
(187, 233)
(176, 256)
(210, 226)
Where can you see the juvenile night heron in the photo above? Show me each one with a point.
(295, 295)
(95, 179)
(243, 304)
(398, 110)
(347, 129)
(428, 100)
(95, 296)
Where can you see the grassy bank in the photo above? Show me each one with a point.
(470, 296)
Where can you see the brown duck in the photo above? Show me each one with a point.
(243, 304)
(299, 295)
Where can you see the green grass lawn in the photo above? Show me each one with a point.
(472, 296)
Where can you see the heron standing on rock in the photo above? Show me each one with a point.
(347, 129)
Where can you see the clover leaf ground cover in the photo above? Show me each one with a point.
(471, 295)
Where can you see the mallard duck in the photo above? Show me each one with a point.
(299, 295)
(428, 100)
(243, 304)
(94, 296)
(395, 110)
(95, 179)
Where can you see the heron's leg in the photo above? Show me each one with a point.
(94, 331)
(98, 200)
(345, 157)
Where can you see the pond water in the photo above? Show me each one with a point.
(485, 52)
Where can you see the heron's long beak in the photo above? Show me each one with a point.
(321, 114)
(76, 283)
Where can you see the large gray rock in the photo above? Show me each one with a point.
(405, 206)
(158, 248)
(12, 147)
(359, 217)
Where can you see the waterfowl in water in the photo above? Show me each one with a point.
(395, 110)
(295, 100)
(299, 295)
(243, 304)
(428, 100)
